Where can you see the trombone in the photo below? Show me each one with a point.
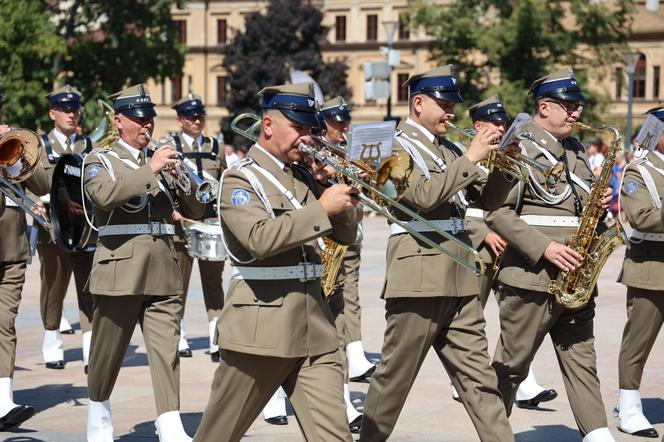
(513, 163)
(20, 154)
(388, 182)
(206, 190)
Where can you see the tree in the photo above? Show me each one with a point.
(287, 36)
(502, 46)
(98, 46)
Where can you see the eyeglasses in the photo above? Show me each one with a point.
(570, 107)
(193, 119)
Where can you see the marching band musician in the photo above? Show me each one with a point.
(491, 112)
(641, 190)
(135, 276)
(537, 221)
(57, 264)
(202, 155)
(14, 253)
(276, 328)
(337, 117)
(439, 308)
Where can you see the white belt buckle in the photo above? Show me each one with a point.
(309, 271)
(455, 228)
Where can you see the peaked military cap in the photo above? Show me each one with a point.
(657, 111)
(438, 83)
(295, 101)
(561, 85)
(65, 98)
(190, 106)
(134, 101)
(491, 109)
(335, 109)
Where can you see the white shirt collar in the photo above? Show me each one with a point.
(189, 140)
(279, 162)
(133, 150)
(62, 138)
(422, 129)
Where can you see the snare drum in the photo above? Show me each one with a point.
(204, 242)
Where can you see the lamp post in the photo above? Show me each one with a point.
(390, 27)
(630, 60)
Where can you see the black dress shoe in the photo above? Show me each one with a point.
(648, 432)
(356, 425)
(16, 416)
(85, 369)
(56, 365)
(457, 398)
(544, 396)
(215, 356)
(277, 420)
(364, 376)
(186, 353)
(71, 331)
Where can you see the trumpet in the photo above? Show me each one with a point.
(20, 154)
(387, 183)
(206, 190)
(513, 163)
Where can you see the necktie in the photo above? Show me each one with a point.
(68, 145)
(195, 146)
(141, 158)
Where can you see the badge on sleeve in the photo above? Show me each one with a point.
(93, 170)
(631, 186)
(240, 197)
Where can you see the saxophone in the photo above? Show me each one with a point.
(573, 289)
(333, 257)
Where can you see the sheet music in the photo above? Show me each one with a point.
(371, 142)
(650, 132)
(514, 130)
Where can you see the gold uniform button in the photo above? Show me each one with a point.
(316, 228)
(255, 299)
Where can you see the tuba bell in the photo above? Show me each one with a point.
(106, 133)
(20, 154)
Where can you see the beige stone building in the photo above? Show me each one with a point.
(356, 34)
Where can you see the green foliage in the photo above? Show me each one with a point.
(502, 46)
(98, 46)
(287, 36)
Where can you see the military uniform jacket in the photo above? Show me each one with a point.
(14, 243)
(49, 161)
(413, 268)
(523, 264)
(643, 266)
(132, 264)
(477, 231)
(283, 318)
(213, 164)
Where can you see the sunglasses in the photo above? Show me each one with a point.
(570, 107)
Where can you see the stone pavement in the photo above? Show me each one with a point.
(430, 414)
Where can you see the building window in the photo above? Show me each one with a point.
(640, 78)
(182, 30)
(221, 90)
(221, 31)
(402, 91)
(176, 89)
(404, 30)
(372, 27)
(619, 83)
(340, 28)
(656, 81)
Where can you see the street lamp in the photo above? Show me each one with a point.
(630, 60)
(390, 27)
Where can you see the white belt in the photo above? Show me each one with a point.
(647, 236)
(453, 225)
(304, 272)
(551, 221)
(154, 229)
(472, 212)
